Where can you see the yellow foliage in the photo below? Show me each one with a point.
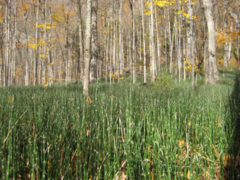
(161, 3)
(41, 42)
(185, 14)
(48, 26)
(147, 12)
(1, 17)
(34, 46)
(183, 1)
(188, 66)
(58, 18)
(52, 63)
(226, 36)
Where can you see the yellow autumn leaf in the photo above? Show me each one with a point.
(52, 63)
(34, 46)
(41, 42)
(48, 26)
(147, 12)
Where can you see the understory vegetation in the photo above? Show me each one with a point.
(160, 130)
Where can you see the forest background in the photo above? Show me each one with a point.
(43, 41)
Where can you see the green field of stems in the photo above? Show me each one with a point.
(121, 131)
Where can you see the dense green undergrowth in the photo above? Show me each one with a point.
(142, 131)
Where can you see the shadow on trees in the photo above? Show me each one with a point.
(232, 164)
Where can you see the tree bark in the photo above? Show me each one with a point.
(237, 21)
(227, 45)
(133, 43)
(81, 48)
(36, 71)
(190, 40)
(153, 59)
(50, 65)
(94, 43)
(121, 53)
(213, 77)
(87, 48)
(179, 50)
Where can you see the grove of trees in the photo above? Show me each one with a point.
(46, 41)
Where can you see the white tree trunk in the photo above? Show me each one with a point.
(94, 43)
(180, 63)
(81, 56)
(227, 45)
(153, 59)
(144, 48)
(36, 68)
(158, 59)
(133, 43)
(50, 61)
(190, 40)
(213, 77)
(87, 48)
(170, 39)
(121, 53)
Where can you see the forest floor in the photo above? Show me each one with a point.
(160, 130)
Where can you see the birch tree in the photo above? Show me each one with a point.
(133, 42)
(94, 43)
(87, 48)
(190, 40)
(153, 59)
(121, 52)
(227, 45)
(179, 48)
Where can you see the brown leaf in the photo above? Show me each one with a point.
(181, 143)
(227, 160)
(89, 100)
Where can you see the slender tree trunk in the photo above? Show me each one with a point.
(212, 63)
(190, 40)
(158, 61)
(114, 48)
(144, 48)
(133, 43)
(50, 60)
(153, 59)
(170, 39)
(87, 48)
(80, 34)
(205, 53)
(107, 53)
(35, 61)
(180, 65)
(94, 43)
(165, 50)
(185, 58)
(6, 47)
(26, 75)
(121, 53)
(129, 50)
(14, 42)
(227, 45)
